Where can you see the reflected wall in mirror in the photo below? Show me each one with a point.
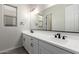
(10, 15)
(36, 22)
(72, 18)
(47, 22)
(60, 17)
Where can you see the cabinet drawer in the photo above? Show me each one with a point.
(53, 49)
(34, 40)
(35, 46)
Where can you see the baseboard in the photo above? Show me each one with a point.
(9, 49)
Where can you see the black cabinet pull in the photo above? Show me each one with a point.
(31, 44)
(23, 39)
(31, 39)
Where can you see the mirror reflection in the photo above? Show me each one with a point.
(59, 17)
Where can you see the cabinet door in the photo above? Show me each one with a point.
(51, 49)
(43, 51)
(30, 44)
(34, 46)
(27, 43)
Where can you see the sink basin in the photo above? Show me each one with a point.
(62, 41)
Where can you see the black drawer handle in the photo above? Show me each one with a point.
(31, 45)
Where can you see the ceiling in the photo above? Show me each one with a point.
(34, 6)
(39, 6)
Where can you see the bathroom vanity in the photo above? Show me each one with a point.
(44, 42)
(62, 18)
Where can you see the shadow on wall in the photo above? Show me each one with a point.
(20, 41)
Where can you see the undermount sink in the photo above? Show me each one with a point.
(52, 38)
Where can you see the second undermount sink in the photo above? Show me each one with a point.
(52, 38)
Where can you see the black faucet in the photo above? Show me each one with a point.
(64, 37)
(58, 35)
(31, 31)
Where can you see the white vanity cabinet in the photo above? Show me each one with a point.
(46, 48)
(36, 46)
(27, 43)
(30, 44)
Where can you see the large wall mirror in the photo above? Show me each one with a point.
(10, 15)
(60, 17)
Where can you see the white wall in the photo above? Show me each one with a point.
(10, 36)
(23, 16)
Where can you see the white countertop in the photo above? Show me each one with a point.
(71, 43)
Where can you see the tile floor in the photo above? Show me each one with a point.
(19, 50)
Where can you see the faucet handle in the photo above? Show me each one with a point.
(58, 34)
(55, 36)
(64, 37)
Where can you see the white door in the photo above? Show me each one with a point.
(44, 23)
(72, 18)
(49, 22)
(9, 35)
